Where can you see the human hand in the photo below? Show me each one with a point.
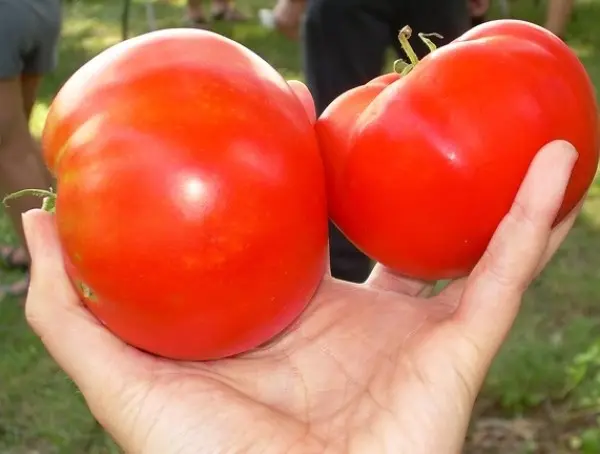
(378, 367)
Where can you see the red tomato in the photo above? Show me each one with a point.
(421, 169)
(191, 196)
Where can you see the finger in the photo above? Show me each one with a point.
(493, 292)
(82, 347)
(451, 294)
(383, 278)
(303, 94)
(559, 233)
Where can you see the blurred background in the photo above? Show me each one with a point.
(543, 393)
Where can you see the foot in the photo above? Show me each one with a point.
(228, 13)
(195, 22)
(14, 257)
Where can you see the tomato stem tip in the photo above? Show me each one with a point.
(403, 67)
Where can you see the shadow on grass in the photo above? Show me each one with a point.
(559, 320)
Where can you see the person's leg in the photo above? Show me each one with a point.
(29, 87)
(558, 15)
(18, 257)
(226, 10)
(22, 60)
(344, 43)
(195, 13)
(20, 166)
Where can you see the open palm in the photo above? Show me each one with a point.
(373, 368)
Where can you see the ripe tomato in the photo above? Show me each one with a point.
(191, 197)
(421, 169)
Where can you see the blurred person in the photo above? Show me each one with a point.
(478, 10)
(558, 15)
(344, 45)
(286, 17)
(29, 33)
(220, 10)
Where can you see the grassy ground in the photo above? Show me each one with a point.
(543, 394)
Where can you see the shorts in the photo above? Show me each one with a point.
(29, 33)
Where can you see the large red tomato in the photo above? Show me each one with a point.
(422, 168)
(191, 198)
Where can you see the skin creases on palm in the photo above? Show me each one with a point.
(348, 375)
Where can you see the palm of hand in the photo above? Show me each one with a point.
(361, 368)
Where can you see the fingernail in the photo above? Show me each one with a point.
(567, 149)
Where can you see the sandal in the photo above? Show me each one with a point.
(196, 22)
(228, 14)
(14, 257)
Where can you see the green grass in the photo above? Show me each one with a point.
(548, 372)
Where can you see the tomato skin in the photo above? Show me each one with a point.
(428, 166)
(191, 196)
(384, 80)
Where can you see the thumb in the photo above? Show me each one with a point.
(492, 294)
(84, 349)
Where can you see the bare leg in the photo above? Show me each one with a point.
(288, 17)
(20, 161)
(558, 15)
(195, 12)
(29, 87)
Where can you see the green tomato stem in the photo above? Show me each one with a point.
(404, 36)
(49, 198)
(401, 66)
(49, 205)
